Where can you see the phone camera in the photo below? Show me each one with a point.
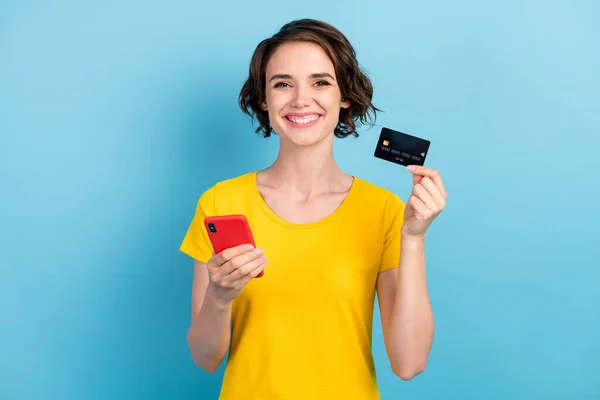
(212, 228)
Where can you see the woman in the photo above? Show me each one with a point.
(303, 330)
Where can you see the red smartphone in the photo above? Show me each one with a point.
(226, 231)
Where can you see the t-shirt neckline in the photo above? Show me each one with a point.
(276, 218)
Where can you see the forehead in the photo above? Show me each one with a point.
(299, 59)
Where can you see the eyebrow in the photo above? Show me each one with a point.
(313, 76)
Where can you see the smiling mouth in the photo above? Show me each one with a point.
(303, 120)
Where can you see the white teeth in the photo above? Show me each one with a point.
(304, 120)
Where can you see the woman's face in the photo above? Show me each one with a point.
(302, 96)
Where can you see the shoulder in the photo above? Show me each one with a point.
(228, 185)
(233, 184)
(377, 203)
(377, 196)
(226, 189)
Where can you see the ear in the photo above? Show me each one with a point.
(263, 105)
(345, 103)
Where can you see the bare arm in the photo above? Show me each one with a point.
(216, 284)
(406, 315)
(209, 333)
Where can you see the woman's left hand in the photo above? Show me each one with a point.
(426, 201)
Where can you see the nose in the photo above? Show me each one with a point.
(301, 97)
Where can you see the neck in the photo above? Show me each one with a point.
(306, 170)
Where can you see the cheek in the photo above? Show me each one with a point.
(275, 99)
(332, 107)
(329, 101)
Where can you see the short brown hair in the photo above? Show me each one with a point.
(354, 84)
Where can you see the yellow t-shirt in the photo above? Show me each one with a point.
(303, 330)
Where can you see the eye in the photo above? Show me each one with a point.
(284, 84)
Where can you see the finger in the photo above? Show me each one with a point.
(235, 278)
(246, 268)
(227, 254)
(434, 191)
(420, 209)
(423, 195)
(240, 260)
(434, 174)
(416, 179)
(243, 281)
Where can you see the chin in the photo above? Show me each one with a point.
(304, 137)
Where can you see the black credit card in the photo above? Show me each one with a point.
(401, 148)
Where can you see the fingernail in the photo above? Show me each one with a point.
(249, 247)
(411, 167)
(258, 251)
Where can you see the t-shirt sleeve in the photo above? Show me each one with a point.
(393, 220)
(196, 243)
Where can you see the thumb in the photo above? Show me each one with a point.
(416, 179)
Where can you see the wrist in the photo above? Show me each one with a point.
(212, 297)
(412, 240)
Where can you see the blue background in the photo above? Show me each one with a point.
(116, 116)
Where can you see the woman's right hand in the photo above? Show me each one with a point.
(230, 270)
